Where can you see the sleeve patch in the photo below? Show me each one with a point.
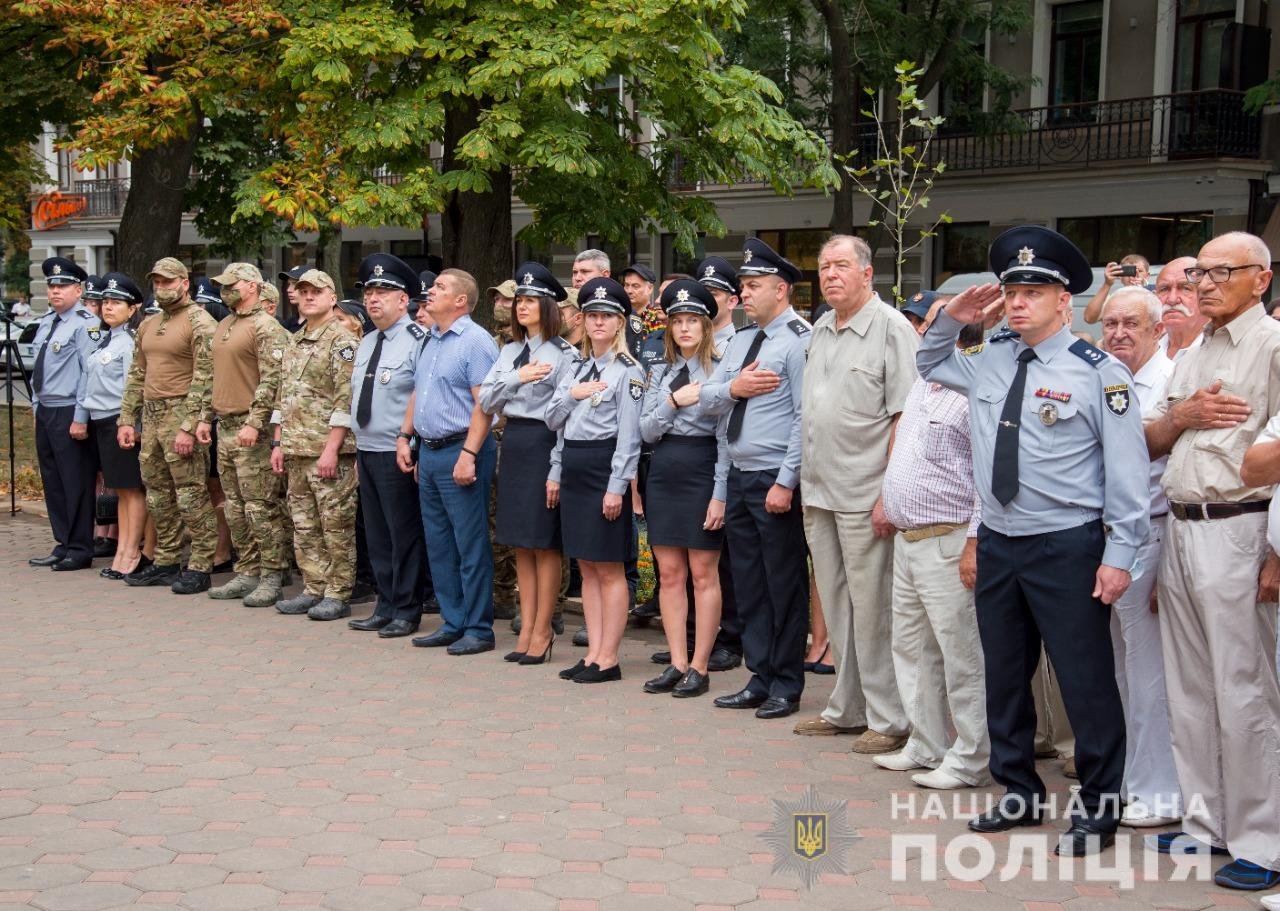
(635, 388)
(1117, 398)
(347, 352)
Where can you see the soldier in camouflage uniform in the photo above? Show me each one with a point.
(313, 443)
(248, 347)
(504, 558)
(169, 388)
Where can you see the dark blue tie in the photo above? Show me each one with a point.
(1004, 467)
(37, 373)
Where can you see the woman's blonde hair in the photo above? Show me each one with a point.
(353, 325)
(706, 349)
(619, 345)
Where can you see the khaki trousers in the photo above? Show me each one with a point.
(1220, 674)
(853, 570)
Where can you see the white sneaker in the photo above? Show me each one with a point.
(1271, 902)
(1139, 816)
(939, 781)
(896, 762)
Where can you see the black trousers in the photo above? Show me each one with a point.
(393, 527)
(1039, 587)
(771, 584)
(68, 472)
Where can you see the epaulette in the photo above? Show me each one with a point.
(563, 343)
(799, 326)
(86, 314)
(130, 331)
(416, 331)
(626, 358)
(1004, 335)
(1087, 353)
(746, 327)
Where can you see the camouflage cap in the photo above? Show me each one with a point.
(270, 293)
(236, 272)
(570, 298)
(506, 289)
(317, 279)
(168, 268)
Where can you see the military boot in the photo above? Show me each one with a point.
(298, 604)
(267, 592)
(329, 609)
(238, 587)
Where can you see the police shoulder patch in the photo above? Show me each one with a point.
(1117, 398)
(635, 388)
(86, 314)
(416, 331)
(347, 352)
(799, 326)
(1087, 353)
(746, 327)
(1004, 335)
(95, 333)
(130, 331)
(563, 344)
(626, 358)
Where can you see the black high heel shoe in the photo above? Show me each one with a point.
(539, 659)
(513, 657)
(818, 667)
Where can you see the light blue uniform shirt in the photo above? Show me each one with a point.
(106, 369)
(616, 413)
(450, 364)
(659, 419)
(69, 346)
(392, 383)
(502, 389)
(1081, 450)
(770, 438)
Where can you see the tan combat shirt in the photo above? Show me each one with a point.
(172, 358)
(248, 349)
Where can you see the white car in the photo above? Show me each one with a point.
(23, 331)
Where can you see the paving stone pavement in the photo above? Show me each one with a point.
(162, 751)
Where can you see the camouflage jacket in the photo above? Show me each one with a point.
(315, 389)
(172, 357)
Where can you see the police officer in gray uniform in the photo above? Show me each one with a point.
(756, 389)
(67, 468)
(1060, 462)
(381, 384)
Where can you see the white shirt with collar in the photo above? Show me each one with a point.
(1151, 383)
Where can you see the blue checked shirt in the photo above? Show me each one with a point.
(448, 367)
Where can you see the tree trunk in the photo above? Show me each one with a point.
(476, 227)
(152, 217)
(329, 254)
(843, 105)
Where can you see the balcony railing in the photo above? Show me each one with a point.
(1189, 125)
(103, 198)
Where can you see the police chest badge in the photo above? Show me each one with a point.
(347, 353)
(635, 388)
(105, 357)
(1117, 398)
(384, 377)
(1048, 414)
(56, 346)
(637, 324)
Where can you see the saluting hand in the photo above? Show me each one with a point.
(534, 371)
(1110, 583)
(687, 395)
(753, 380)
(978, 302)
(1210, 409)
(586, 390)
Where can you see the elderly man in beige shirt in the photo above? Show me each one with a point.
(861, 369)
(1217, 580)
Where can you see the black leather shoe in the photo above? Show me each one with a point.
(691, 684)
(593, 674)
(113, 574)
(362, 593)
(570, 672)
(777, 707)
(1003, 817)
(646, 611)
(190, 582)
(104, 547)
(369, 624)
(431, 606)
(67, 565)
(155, 574)
(664, 682)
(44, 561)
(743, 699)
(470, 645)
(663, 658)
(1082, 839)
(397, 628)
(438, 639)
(723, 660)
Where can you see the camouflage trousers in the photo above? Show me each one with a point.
(254, 511)
(177, 488)
(504, 558)
(324, 525)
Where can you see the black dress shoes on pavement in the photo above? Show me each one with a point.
(777, 707)
(48, 560)
(1003, 817)
(593, 674)
(470, 645)
(723, 660)
(190, 582)
(104, 547)
(664, 682)
(397, 628)
(66, 565)
(369, 624)
(438, 639)
(155, 574)
(743, 699)
(692, 683)
(1082, 839)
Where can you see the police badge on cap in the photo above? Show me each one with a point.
(604, 295)
(58, 270)
(687, 296)
(383, 270)
(536, 280)
(758, 258)
(715, 272)
(1035, 255)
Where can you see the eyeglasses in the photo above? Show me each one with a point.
(1219, 275)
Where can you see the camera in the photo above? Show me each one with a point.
(1128, 271)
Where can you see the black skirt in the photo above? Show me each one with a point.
(119, 466)
(524, 460)
(584, 480)
(681, 482)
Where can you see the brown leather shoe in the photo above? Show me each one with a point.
(875, 742)
(821, 727)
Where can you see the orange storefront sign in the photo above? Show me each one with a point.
(53, 210)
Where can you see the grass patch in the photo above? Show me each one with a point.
(27, 469)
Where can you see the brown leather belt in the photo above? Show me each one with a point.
(1196, 512)
(931, 531)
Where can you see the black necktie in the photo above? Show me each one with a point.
(106, 340)
(37, 374)
(1004, 467)
(365, 409)
(593, 374)
(740, 409)
(682, 378)
(522, 358)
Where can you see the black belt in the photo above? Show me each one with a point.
(531, 422)
(446, 441)
(1199, 511)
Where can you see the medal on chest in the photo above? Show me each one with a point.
(595, 399)
(56, 346)
(384, 377)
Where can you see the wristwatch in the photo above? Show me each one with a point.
(275, 444)
(407, 437)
